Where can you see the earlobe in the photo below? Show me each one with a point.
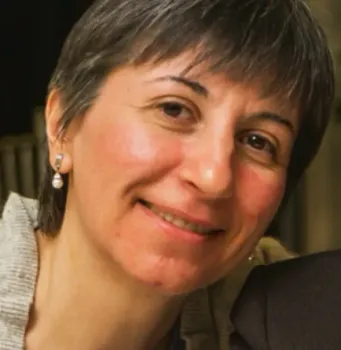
(61, 162)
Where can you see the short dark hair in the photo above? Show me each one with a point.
(277, 41)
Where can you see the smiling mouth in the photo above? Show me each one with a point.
(180, 222)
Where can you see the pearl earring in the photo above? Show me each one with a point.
(57, 180)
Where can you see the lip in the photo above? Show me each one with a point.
(176, 232)
(208, 224)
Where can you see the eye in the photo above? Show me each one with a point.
(259, 143)
(175, 110)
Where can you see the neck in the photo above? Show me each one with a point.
(82, 302)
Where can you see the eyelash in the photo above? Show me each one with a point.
(269, 146)
(171, 104)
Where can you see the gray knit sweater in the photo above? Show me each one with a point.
(18, 269)
(205, 320)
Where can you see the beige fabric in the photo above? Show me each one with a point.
(205, 321)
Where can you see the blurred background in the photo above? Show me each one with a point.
(31, 36)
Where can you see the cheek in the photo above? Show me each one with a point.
(119, 148)
(122, 146)
(260, 191)
(129, 145)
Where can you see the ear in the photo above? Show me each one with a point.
(57, 140)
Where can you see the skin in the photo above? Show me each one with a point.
(198, 145)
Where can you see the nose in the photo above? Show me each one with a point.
(209, 165)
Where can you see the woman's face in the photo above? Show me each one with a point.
(175, 177)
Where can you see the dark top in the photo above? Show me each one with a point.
(291, 305)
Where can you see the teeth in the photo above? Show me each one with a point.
(179, 222)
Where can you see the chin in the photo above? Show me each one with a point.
(174, 280)
(171, 288)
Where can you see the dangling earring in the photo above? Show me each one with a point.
(57, 180)
(251, 258)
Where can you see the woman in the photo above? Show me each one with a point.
(174, 130)
(291, 305)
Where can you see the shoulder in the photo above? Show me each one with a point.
(18, 267)
(301, 274)
(222, 294)
(209, 308)
(267, 251)
(18, 246)
(292, 304)
(17, 223)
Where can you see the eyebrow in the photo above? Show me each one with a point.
(192, 84)
(275, 118)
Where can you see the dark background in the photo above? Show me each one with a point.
(31, 35)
